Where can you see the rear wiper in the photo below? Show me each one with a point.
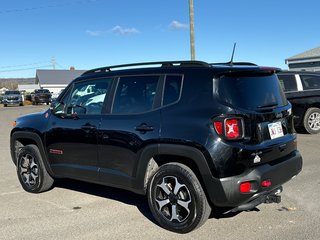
(270, 105)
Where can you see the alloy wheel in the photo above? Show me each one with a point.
(173, 199)
(314, 121)
(29, 170)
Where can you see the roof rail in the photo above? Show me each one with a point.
(236, 63)
(162, 64)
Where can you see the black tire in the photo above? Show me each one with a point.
(5, 105)
(311, 120)
(31, 171)
(33, 103)
(163, 189)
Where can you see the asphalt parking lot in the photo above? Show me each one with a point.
(76, 210)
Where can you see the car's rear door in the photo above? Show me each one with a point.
(133, 122)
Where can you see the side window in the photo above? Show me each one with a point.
(288, 82)
(135, 94)
(87, 97)
(172, 89)
(310, 81)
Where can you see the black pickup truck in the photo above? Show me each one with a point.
(41, 96)
(302, 89)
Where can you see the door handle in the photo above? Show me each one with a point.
(88, 127)
(143, 128)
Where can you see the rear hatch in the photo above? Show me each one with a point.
(262, 114)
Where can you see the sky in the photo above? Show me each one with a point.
(42, 34)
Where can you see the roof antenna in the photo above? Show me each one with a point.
(234, 48)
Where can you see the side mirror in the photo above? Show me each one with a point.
(76, 110)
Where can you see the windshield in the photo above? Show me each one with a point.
(12, 92)
(251, 92)
(42, 91)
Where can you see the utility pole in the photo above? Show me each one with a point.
(191, 16)
(53, 62)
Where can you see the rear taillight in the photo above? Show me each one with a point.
(232, 128)
(229, 128)
(218, 126)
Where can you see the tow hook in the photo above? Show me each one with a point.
(274, 197)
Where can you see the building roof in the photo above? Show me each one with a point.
(310, 54)
(59, 77)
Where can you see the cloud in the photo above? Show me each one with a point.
(175, 25)
(94, 33)
(118, 30)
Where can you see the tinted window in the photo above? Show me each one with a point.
(251, 92)
(135, 94)
(83, 102)
(12, 92)
(42, 91)
(288, 82)
(172, 89)
(310, 81)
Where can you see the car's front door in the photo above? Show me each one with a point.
(72, 138)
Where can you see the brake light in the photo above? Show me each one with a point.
(266, 183)
(229, 128)
(245, 187)
(232, 128)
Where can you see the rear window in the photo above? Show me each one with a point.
(251, 92)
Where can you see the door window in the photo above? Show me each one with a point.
(135, 94)
(172, 89)
(310, 82)
(85, 98)
(288, 82)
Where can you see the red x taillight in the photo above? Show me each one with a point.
(230, 128)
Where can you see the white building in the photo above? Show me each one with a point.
(56, 80)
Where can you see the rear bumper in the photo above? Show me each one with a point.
(225, 191)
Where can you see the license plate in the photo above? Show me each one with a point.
(275, 130)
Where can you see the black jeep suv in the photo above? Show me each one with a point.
(190, 135)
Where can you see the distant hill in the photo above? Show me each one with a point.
(18, 80)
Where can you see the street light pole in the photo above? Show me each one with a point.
(191, 16)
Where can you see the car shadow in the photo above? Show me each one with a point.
(120, 195)
(220, 213)
(128, 197)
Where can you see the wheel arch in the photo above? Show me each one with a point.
(26, 138)
(158, 155)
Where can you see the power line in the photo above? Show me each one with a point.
(24, 69)
(24, 65)
(18, 10)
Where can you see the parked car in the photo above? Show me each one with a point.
(189, 135)
(12, 98)
(41, 96)
(55, 95)
(302, 89)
